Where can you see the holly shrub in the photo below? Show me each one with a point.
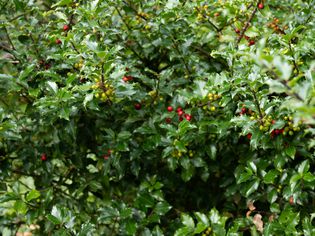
(151, 117)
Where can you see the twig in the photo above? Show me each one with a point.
(261, 116)
(294, 62)
(209, 21)
(9, 39)
(246, 26)
(297, 96)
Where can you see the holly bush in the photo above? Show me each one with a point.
(151, 117)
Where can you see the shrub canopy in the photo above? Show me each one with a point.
(157, 117)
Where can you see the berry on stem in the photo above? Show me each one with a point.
(66, 27)
(137, 106)
(43, 157)
(170, 108)
(58, 41)
(251, 42)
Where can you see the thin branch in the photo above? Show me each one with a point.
(9, 39)
(209, 21)
(297, 96)
(294, 62)
(246, 26)
(261, 116)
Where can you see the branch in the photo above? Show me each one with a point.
(246, 26)
(9, 39)
(297, 96)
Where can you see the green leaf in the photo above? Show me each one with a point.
(304, 167)
(131, 227)
(53, 219)
(290, 151)
(33, 194)
(201, 217)
(187, 221)
(53, 86)
(185, 231)
(308, 177)
(270, 177)
(61, 3)
(161, 208)
(20, 207)
(252, 187)
(272, 196)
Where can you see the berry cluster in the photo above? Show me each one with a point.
(249, 39)
(202, 12)
(107, 155)
(207, 231)
(79, 65)
(275, 26)
(212, 102)
(180, 113)
(179, 154)
(105, 91)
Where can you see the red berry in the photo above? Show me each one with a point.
(188, 117)
(43, 157)
(277, 131)
(273, 122)
(66, 27)
(126, 69)
(168, 120)
(179, 109)
(106, 157)
(281, 131)
(180, 119)
(251, 42)
(125, 79)
(137, 106)
(249, 135)
(243, 110)
(58, 41)
(169, 108)
(180, 113)
(261, 6)
(237, 31)
(291, 200)
(246, 37)
(109, 151)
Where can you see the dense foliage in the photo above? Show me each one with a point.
(152, 117)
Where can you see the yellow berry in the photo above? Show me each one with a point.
(97, 95)
(261, 127)
(212, 108)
